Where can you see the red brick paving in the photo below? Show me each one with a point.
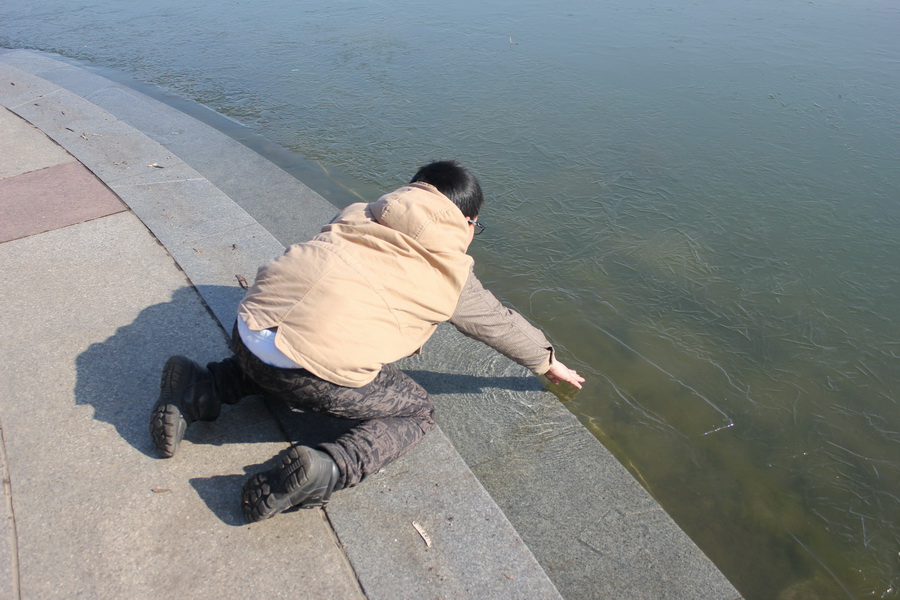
(51, 198)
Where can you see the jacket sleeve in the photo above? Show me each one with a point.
(479, 315)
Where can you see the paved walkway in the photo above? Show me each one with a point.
(107, 271)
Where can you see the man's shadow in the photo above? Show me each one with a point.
(462, 383)
(119, 377)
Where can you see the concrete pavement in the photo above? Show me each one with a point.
(120, 242)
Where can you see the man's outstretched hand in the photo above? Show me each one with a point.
(560, 372)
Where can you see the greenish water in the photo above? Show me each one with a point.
(700, 202)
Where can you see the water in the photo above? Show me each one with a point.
(698, 201)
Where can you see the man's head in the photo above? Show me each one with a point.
(456, 182)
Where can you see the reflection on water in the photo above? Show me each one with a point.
(698, 201)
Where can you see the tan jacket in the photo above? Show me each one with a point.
(370, 289)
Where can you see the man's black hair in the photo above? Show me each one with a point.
(454, 181)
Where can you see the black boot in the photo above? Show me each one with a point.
(186, 394)
(304, 477)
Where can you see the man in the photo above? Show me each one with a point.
(323, 324)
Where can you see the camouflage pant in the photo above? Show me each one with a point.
(394, 412)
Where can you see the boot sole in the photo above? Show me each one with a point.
(167, 422)
(286, 486)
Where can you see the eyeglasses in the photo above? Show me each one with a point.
(478, 226)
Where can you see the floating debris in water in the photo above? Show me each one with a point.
(729, 426)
